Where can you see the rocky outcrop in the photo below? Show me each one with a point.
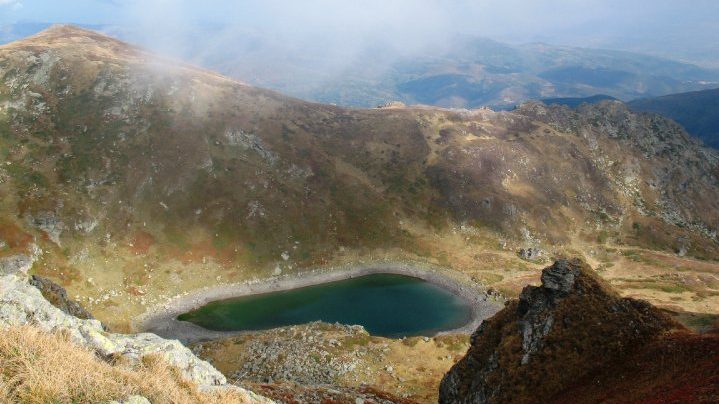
(21, 303)
(291, 353)
(530, 253)
(555, 334)
(296, 393)
(57, 295)
(13, 264)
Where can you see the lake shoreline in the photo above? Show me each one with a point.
(162, 319)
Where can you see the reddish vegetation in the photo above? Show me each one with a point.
(681, 367)
(15, 238)
(200, 251)
(574, 340)
(141, 243)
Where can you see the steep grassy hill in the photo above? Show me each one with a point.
(138, 178)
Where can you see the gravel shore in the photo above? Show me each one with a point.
(162, 319)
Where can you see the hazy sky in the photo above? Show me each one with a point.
(686, 29)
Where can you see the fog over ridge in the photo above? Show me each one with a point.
(362, 53)
(686, 30)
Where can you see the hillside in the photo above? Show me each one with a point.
(137, 179)
(579, 342)
(49, 354)
(697, 111)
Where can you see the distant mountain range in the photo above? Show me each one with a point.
(472, 72)
(574, 102)
(468, 72)
(477, 72)
(697, 111)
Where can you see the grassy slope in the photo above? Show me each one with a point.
(140, 179)
(37, 367)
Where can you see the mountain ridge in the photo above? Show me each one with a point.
(132, 180)
(470, 72)
(150, 181)
(697, 111)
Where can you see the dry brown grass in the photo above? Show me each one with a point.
(39, 367)
(4, 391)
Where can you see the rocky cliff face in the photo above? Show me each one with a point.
(551, 338)
(22, 303)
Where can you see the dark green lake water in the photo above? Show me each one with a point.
(385, 304)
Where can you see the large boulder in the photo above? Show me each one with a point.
(555, 334)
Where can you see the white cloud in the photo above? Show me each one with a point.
(343, 27)
(13, 4)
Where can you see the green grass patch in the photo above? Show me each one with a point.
(225, 234)
(639, 257)
(24, 177)
(673, 288)
(632, 255)
(357, 340)
(655, 285)
(602, 237)
(175, 236)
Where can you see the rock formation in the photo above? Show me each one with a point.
(554, 335)
(21, 303)
(57, 295)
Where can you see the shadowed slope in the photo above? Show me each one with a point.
(697, 111)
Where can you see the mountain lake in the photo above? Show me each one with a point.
(387, 305)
